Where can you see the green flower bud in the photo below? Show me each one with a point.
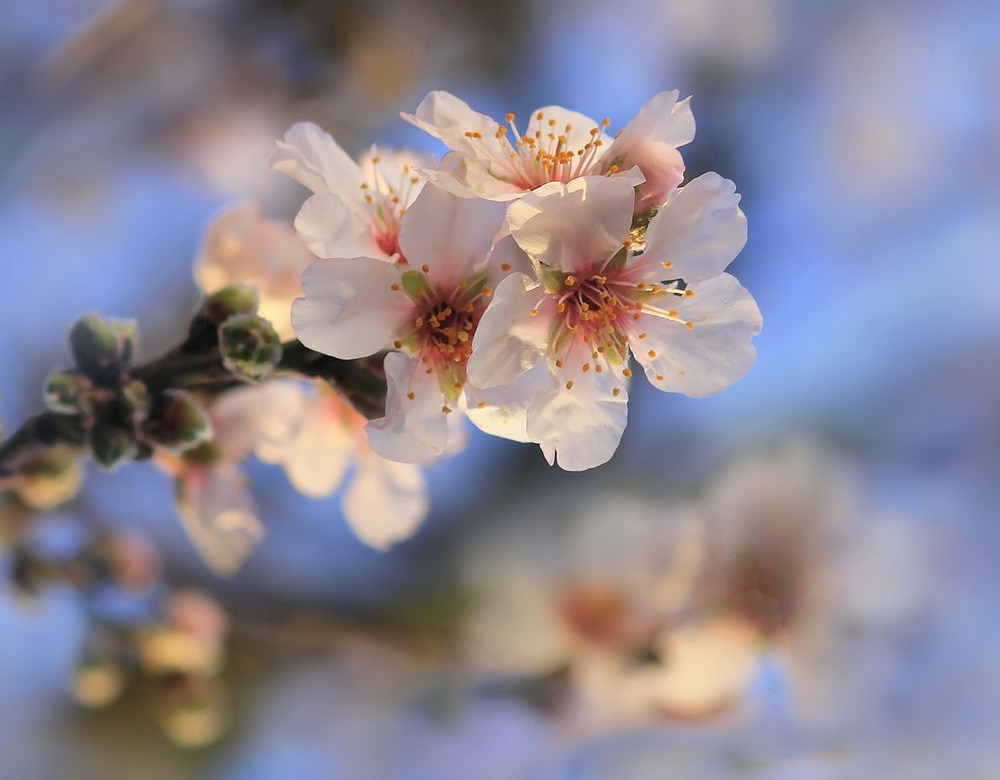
(111, 445)
(177, 423)
(101, 347)
(68, 392)
(251, 348)
(229, 301)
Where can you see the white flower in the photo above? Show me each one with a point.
(384, 501)
(591, 302)
(427, 308)
(356, 206)
(240, 247)
(556, 145)
(213, 498)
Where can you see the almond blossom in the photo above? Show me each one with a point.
(356, 207)
(241, 247)
(591, 302)
(499, 162)
(426, 309)
(384, 501)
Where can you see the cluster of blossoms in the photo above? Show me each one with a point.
(672, 610)
(513, 281)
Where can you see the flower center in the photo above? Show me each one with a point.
(441, 335)
(387, 203)
(544, 153)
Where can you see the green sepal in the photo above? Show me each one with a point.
(415, 284)
(111, 446)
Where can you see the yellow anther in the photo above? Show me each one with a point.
(425, 268)
(411, 395)
(569, 384)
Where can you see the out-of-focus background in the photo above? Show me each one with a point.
(865, 140)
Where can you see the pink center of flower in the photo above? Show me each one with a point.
(604, 312)
(387, 204)
(542, 154)
(441, 334)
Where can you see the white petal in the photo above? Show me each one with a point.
(451, 235)
(573, 226)
(311, 157)
(330, 229)
(505, 408)
(386, 501)
(328, 439)
(579, 426)
(448, 118)
(714, 353)
(256, 418)
(662, 119)
(218, 515)
(414, 430)
(509, 339)
(349, 310)
(699, 230)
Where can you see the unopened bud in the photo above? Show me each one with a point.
(177, 423)
(102, 346)
(68, 392)
(250, 346)
(111, 446)
(227, 302)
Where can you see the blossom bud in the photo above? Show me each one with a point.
(251, 348)
(176, 423)
(112, 445)
(102, 347)
(227, 302)
(68, 392)
(99, 677)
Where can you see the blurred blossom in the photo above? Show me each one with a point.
(241, 247)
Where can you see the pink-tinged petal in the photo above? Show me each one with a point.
(452, 121)
(350, 309)
(714, 353)
(218, 514)
(415, 426)
(386, 501)
(661, 120)
(452, 236)
(698, 232)
(311, 157)
(509, 339)
(256, 418)
(330, 229)
(579, 425)
(502, 411)
(328, 438)
(573, 226)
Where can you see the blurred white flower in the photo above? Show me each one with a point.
(241, 247)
